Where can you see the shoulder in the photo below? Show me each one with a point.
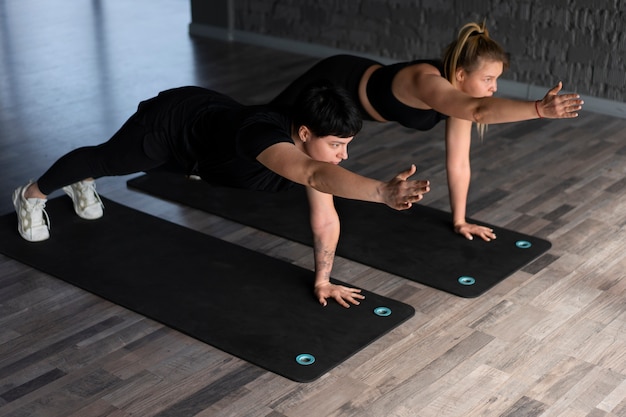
(260, 128)
(425, 67)
(263, 119)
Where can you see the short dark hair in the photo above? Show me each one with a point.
(326, 110)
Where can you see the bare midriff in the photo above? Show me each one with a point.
(402, 88)
(363, 94)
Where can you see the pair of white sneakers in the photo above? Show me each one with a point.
(32, 220)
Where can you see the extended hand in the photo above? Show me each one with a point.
(400, 193)
(470, 230)
(555, 106)
(339, 293)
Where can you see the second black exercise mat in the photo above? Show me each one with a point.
(250, 305)
(417, 244)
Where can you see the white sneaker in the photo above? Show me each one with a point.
(87, 203)
(32, 219)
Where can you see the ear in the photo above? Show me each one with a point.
(304, 133)
(460, 75)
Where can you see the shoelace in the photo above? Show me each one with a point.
(40, 205)
(88, 194)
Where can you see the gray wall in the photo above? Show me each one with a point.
(580, 43)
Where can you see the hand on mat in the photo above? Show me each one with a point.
(470, 230)
(339, 293)
(400, 193)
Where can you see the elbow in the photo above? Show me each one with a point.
(317, 179)
(480, 114)
(485, 110)
(311, 180)
(327, 225)
(307, 176)
(456, 170)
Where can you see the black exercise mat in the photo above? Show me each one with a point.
(418, 244)
(250, 305)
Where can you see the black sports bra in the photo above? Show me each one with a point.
(381, 97)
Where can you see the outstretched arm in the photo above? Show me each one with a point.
(323, 180)
(437, 92)
(399, 193)
(325, 227)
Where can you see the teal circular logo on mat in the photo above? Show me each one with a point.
(382, 311)
(465, 280)
(523, 244)
(305, 359)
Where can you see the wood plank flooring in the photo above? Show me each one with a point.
(548, 341)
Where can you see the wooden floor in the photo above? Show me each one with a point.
(548, 341)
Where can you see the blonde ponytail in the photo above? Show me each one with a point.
(472, 44)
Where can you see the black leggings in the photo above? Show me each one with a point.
(123, 154)
(154, 137)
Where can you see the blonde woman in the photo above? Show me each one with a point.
(419, 94)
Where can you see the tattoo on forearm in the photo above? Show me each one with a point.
(324, 261)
